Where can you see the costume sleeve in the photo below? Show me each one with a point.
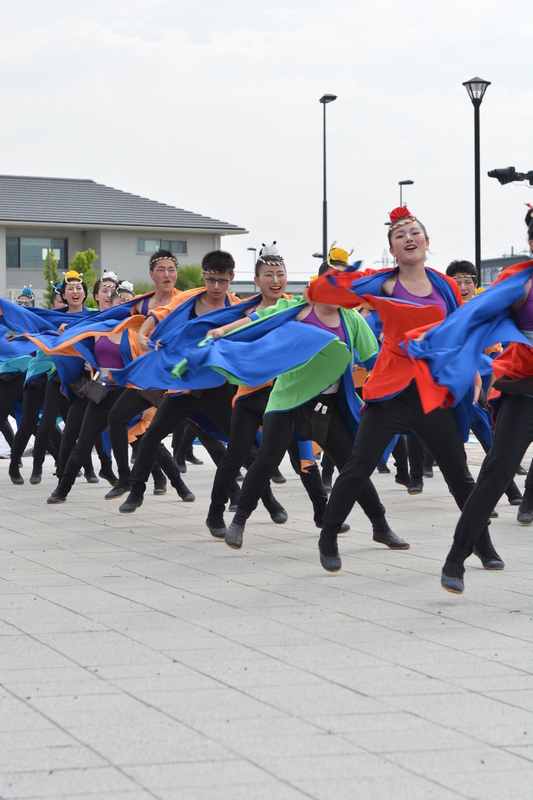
(363, 340)
(282, 305)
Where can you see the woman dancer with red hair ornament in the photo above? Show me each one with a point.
(406, 297)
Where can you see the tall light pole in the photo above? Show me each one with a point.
(401, 184)
(476, 88)
(254, 250)
(325, 99)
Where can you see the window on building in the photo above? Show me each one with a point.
(152, 245)
(29, 252)
(12, 252)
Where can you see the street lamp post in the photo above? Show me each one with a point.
(325, 99)
(476, 88)
(401, 184)
(254, 250)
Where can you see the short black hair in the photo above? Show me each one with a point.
(461, 266)
(218, 261)
(158, 255)
(269, 261)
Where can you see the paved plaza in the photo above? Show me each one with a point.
(141, 658)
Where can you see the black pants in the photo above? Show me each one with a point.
(55, 405)
(32, 400)
(70, 435)
(214, 403)
(439, 433)
(7, 432)
(277, 433)
(10, 393)
(512, 436)
(187, 432)
(93, 425)
(246, 418)
(127, 406)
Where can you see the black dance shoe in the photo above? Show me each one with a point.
(57, 496)
(234, 536)
(329, 555)
(160, 485)
(217, 526)
(14, 474)
(120, 488)
(106, 472)
(416, 486)
(390, 539)
(452, 583)
(133, 502)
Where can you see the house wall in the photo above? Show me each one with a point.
(13, 280)
(116, 249)
(119, 250)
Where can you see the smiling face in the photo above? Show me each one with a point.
(164, 275)
(271, 281)
(74, 295)
(409, 243)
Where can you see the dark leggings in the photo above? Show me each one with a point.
(55, 405)
(127, 406)
(246, 418)
(214, 403)
(70, 434)
(7, 432)
(512, 436)
(32, 400)
(439, 433)
(10, 393)
(277, 433)
(185, 434)
(94, 423)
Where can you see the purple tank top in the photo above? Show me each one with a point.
(107, 354)
(312, 319)
(144, 307)
(524, 315)
(434, 298)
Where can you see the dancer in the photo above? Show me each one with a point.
(464, 274)
(108, 354)
(411, 295)
(42, 388)
(250, 404)
(327, 418)
(218, 268)
(514, 424)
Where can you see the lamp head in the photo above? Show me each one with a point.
(476, 88)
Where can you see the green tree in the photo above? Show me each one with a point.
(189, 277)
(50, 276)
(83, 262)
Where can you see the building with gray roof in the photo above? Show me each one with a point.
(68, 215)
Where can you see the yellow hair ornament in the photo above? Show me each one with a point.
(72, 276)
(338, 254)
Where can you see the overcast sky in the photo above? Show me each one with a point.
(213, 107)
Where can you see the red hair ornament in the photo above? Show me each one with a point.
(400, 216)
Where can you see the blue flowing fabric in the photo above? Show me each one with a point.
(252, 355)
(466, 412)
(453, 350)
(371, 284)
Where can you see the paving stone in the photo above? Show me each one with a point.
(140, 658)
